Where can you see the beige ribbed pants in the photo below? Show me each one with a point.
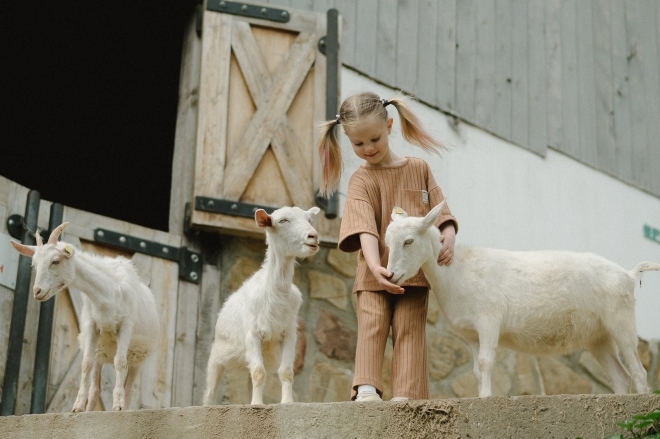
(406, 314)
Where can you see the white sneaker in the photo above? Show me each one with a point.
(399, 399)
(368, 397)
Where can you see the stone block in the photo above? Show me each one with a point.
(445, 353)
(328, 287)
(329, 383)
(335, 340)
(559, 379)
(344, 263)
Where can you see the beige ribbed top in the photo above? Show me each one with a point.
(372, 194)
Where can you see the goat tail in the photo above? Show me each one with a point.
(645, 266)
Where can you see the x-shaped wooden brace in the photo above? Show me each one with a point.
(269, 125)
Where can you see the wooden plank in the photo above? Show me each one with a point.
(654, 150)
(64, 345)
(427, 49)
(269, 116)
(322, 5)
(184, 348)
(604, 105)
(386, 42)
(212, 109)
(553, 58)
(186, 128)
(26, 374)
(484, 96)
(286, 146)
(348, 23)
(639, 152)
(620, 94)
(445, 60)
(209, 306)
(503, 74)
(13, 198)
(465, 58)
(537, 137)
(519, 64)
(156, 380)
(407, 48)
(650, 41)
(569, 81)
(301, 4)
(585, 76)
(67, 390)
(366, 40)
(319, 71)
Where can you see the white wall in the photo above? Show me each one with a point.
(505, 196)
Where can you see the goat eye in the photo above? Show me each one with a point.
(55, 261)
(283, 220)
(407, 242)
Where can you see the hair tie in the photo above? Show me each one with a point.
(337, 121)
(385, 102)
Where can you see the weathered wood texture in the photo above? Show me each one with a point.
(166, 379)
(580, 77)
(258, 92)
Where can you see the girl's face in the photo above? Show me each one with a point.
(369, 138)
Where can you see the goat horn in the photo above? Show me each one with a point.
(56, 233)
(37, 236)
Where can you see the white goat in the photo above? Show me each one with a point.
(119, 322)
(539, 302)
(257, 324)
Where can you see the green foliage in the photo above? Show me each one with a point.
(645, 426)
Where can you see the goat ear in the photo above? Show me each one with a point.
(398, 213)
(433, 215)
(26, 250)
(314, 210)
(262, 219)
(67, 250)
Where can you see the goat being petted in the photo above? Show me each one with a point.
(539, 302)
(119, 322)
(257, 324)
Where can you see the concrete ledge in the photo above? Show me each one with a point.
(565, 416)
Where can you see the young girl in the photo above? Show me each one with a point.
(384, 181)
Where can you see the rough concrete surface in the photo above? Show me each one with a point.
(585, 416)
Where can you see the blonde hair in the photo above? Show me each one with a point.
(352, 111)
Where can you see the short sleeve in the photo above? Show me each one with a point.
(358, 217)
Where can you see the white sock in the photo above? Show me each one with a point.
(366, 388)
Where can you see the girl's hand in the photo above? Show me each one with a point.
(448, 239)
(383, 277)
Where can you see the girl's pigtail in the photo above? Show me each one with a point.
(412, 129)
(330, 155)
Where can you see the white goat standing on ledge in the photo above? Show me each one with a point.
(539, 302)
(119, 322)
(257, 324)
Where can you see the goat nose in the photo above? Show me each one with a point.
(36, 291)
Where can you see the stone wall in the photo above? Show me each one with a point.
(328, 334)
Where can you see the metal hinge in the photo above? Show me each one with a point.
(248, 10)
(229, 207)
(190, 263)
(16, 225)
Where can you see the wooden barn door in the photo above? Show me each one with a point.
(262, 93)
(160, 380)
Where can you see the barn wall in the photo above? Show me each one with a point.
(580, 77)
